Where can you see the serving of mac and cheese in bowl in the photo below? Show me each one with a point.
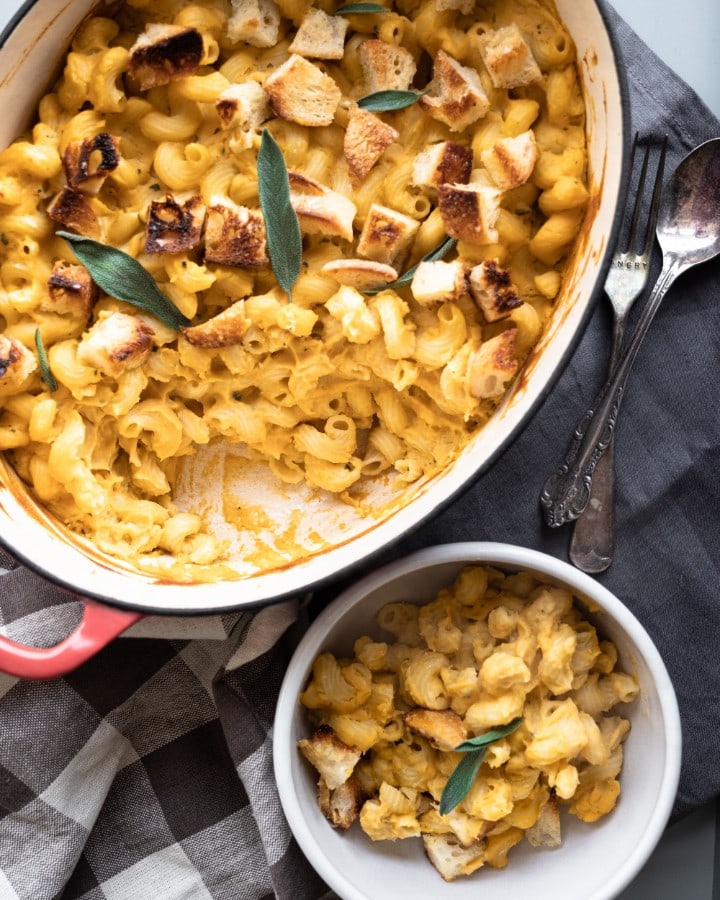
(477, 719)
(278, 278)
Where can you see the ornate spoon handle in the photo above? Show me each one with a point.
(567, 493)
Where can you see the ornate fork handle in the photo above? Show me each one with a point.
(567, 492)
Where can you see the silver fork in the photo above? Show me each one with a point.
(593, 540)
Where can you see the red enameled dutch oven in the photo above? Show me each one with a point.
(116, 595)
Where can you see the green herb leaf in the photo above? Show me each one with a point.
(463, 775)
(121, 276)
(482, 740)
(461, 780)
(45, 370)
(359, 8)
(282, 228)
(440, 252)
(387, 101)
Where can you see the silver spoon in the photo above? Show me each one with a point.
(688, 231)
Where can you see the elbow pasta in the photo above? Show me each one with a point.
(337, 390)
(490, 648)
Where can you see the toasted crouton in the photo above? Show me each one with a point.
(301, 92)
(493, 291)
(223, 330)
(385, 67)
(72, 209)
(547, 830)
(71, 290)
(244, 106)
(442, 727)
(363, 274)
(511, 160)
(256, 22)
(455, 94)
(508, 58)
(438, 282)
(492, 365)
(164, 53)
(341, 806)
(445, 163)
(319, 209)
(320, 36)
(173, 227)
(235, 236)
(333, 759)
(449, 856)
(469, 212)
(116, 343)
(17, 363)
(387, 235)
(87, 163)
(366, 139)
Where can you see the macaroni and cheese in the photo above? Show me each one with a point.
(148, 143)
(490, 649)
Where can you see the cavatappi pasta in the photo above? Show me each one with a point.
(148, 142)
(489, 649)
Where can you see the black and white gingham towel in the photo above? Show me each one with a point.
(147, 774)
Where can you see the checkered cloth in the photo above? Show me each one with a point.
(147, 774)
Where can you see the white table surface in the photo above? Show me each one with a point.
(686, 36)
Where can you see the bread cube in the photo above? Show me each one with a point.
(511, 160)
(387, 235)
(223, 330)
(447, 162)
(385, 67)
(455, 94)
(469, 212)
(256, 22)
(235, 236)
(320, 35)
(301, 92)
(164, 53)
(438, 282)
(508, 58)
(366, 139)
(116, 343)
(492, 289)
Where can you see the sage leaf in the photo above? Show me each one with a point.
(282, 229)
(121, 276)
(46, 374)
(463, 775)
(482, 740)
(360, 8)
(387, 101)
(440, 252)
(461, 780)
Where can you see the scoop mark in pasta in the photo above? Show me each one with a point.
(388, 101)
(440, 252)
(46, 374)
(360, 9)
(282, 228)
(121, 276)
(463, 775)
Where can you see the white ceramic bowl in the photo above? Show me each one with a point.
(29, 52)
(595, 862)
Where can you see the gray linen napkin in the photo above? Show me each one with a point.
(148, 773)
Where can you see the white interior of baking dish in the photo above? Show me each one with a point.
(334, 534)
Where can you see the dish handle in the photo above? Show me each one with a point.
(98, 626)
